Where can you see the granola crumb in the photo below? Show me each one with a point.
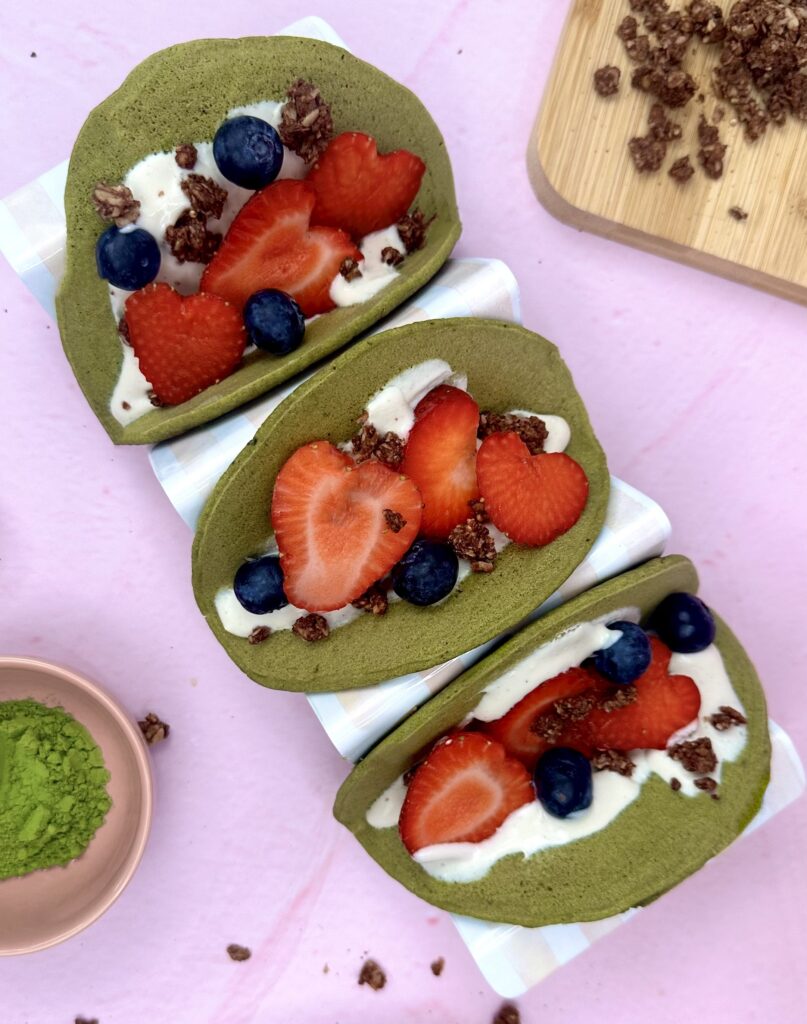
(311, 627)
(185, 156)
(151, 394)
(718, 114)
(712, 150)
(394, 520)
(620, 697)
(726, 718)
(391, 256)
(238, 953)
(390, 450)
(412, 228)
(507, 1014)
(259, 634)
(374, 600)
(738, 213)
(480, 513)
(531, 429)
(613, 761)
(706, 784)
(350, 269)
(681, 170)
(125, 406)
(306, 125)
(153, 729)
(573, 709)
(368, 444)
(326, 969)
(206, 196)
(697, 756)
(372, 974)
(675, 784)
(606, 80)
(472, 540)
(437, 966)
(115, 203)
(189, 239)
(81, 1020)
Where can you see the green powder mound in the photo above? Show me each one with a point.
(656, 842)
(53, 794)
(180, 95)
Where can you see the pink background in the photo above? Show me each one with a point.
(696, 387)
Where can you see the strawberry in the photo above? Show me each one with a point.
(531, 498)
(358, 189)
(440, 457)
(514, 730)
(664, 704)
(184, 343)
(462, 793)
(270, 245)
(328, 518)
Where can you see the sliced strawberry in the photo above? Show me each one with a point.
(270, 245)
(183, 343)
(462, 793)
(328, 518)
(440, 456)
(664, 704)
(531, 498)
(358, 189)
(514, 730)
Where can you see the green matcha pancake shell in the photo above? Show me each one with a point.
(508, 367)
(656, 842)
(180, 95)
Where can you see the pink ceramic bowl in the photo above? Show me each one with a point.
(46, 907)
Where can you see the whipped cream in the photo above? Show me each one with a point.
(391, 408)
(156, 181)
(531, 829)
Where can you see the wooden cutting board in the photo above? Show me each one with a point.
(583, 174)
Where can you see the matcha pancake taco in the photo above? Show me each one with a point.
(588, 765)
(417, 497)
(236, 211)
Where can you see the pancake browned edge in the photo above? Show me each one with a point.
(656, 842)
(508, 367)
(180, 95)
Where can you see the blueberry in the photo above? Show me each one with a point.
(628, 657)
(426, 573)
(259, 585)
(274, 321)
(248, 151)
(563, 781)
(684, 623)
(127, 259)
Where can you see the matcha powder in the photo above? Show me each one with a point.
(53, 794)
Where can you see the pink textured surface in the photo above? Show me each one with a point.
(696, 387)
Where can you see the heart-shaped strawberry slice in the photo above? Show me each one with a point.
(339, 527)
(531, 498)
(360, 190)
(184, 343)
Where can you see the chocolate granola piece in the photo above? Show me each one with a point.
(123, 331)
(661, 127)
(151, 394)
(647, 153)
(390, 450)
(374, 600)
(189, 239)
(606, 80)
(712, 150)
(738, 213)
(238, 953)
(412, 228)
(639, 49)
(674, 86)
(259, 634)
(613, 761)
(372, 974)
(306, 125)
(185, 155)
(311, 627)
(350, 269)
(708, 21)
(437, 966)
(628, 28)
(697, 756)
(675, 784)
(154, 731)
(478, 510)
(115, 203)
(472, 540)
(531, 429)
(365, 442)
(681, 170)
(394, 520)
(727, 718)
(620, 697)
(507, 1014)
(391, 256)
(206, 196)
(706, 784)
